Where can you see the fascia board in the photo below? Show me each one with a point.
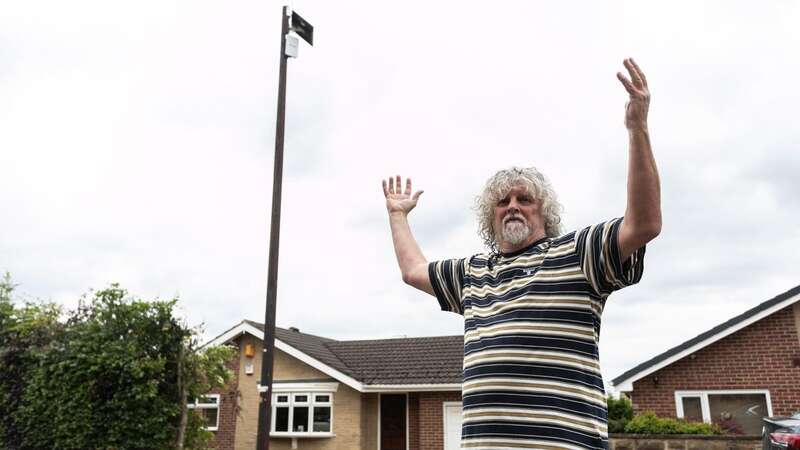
(627, 386)
(235, 332)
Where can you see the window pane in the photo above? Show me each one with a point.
(208, 400)
(301, 398)
(322, 398)
(282, 419)
(283, 399)
(300, 418)
(692, 411)
(210, 415)
(738, 413)
(322, 418)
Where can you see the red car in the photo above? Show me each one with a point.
(782, 433)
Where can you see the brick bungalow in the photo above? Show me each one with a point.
(388, 394)
(733, 374)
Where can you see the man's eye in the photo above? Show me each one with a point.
(503, 202)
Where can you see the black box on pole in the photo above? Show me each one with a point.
(302, 28)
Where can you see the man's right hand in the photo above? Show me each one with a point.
(413, 265)
(397, 200)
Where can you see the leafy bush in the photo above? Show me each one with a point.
(117, 373)
(620, 412)
(26, 332)
(649, 423)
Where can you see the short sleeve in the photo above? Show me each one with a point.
(598, 249)
(447, 278)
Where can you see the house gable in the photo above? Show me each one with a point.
(759, 357)
(294, 376)
(246, 328)
(624, 382)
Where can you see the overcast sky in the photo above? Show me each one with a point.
(137, 140)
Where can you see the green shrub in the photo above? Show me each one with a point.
(617, 425)
(620, 412)
(26, 332)
(649, 423)
(117, 373)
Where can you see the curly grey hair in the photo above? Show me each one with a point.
(498, 186)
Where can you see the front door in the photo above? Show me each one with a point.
(393, 422)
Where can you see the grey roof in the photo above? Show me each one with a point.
(425, 360)
(712, 332)
(420, 360)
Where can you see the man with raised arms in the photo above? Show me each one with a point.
(532, 303)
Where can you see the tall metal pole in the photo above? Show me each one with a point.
(267, 356)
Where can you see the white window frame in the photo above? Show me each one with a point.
(312, 390)
(704, 405)
(198, 405)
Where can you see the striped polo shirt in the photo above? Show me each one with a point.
(531, 331)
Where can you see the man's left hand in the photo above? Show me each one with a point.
(639, 101)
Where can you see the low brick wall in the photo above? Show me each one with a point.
(683, 442)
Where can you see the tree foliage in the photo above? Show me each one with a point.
(26, 332)
(117, 373)
(620, 412)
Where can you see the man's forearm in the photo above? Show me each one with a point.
(642, 220)
(643, 211)
(413, 265)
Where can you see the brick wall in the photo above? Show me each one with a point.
(413, 420)
(228, 407)
(430, 422)
(759, 356)
(683, 442)
(369, 422)
(247, 419)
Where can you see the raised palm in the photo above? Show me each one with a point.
(639, 100)
(397, 199)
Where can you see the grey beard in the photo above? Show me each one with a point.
(515, 233)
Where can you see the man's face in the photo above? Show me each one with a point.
(518, 221)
